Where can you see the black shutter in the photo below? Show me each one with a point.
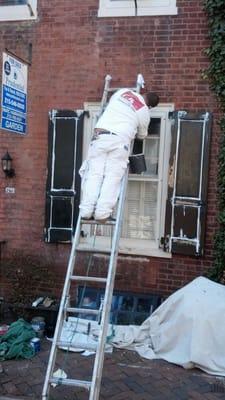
(63, 180)
(187, 183)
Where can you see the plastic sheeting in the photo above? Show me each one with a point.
(188, 329)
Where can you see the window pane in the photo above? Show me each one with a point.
(123, 318)
(139, 318)
(127, 303)
(140, 210)
(12, 2)
(151, 156)
(143, 305)
(154, 126)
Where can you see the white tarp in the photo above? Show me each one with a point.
(188, 329)
(82, 332)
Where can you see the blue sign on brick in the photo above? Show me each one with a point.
(14, 100)
(13, 116)
(13, 126)
(14, 95)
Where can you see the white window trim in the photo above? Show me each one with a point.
(19, 12)
(138, 246)
(121, 8)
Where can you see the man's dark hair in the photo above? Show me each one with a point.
(152, 99)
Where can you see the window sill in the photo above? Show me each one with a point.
(19, 12)
(135, 247)
(144, 251)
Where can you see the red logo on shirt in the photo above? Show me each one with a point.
(133, 100)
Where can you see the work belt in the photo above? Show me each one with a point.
(102, 132)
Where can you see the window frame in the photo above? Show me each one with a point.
(140, 246)
(121, 8)
(19, 12)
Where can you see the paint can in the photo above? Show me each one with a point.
(38, 325)
(3, 329)
(137, 163)
(36, 344)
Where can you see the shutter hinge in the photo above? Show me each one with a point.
(87, 113)
(52, 114)
(182, 114)
(205, 116)
(82, 112)
(162, 240)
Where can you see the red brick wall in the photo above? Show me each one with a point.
(72, 51)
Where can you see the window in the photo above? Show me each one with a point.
(144, 215)
(119, 8)
(18, 10)
(126, 308)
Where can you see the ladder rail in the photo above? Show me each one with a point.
(139, 84)
(98, 365)
(108, 79)
(59, 322)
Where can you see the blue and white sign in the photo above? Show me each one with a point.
(14, 95)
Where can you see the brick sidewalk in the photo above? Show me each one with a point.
(126, 376)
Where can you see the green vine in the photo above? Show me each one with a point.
(215, 10)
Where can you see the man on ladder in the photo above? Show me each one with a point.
(126, 116)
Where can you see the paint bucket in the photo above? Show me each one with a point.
(137, 163)
(38, 325)
(3, 329)
(36, 344)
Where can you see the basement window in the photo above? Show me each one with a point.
(127, 308)
(131, 8)
(18, 10)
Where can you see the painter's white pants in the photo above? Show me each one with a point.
(106, 163)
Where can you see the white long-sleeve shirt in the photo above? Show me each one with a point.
(127, 115)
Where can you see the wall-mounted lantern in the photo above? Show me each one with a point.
(7, 165)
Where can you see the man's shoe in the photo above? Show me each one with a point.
(104, 220)
(87, 218)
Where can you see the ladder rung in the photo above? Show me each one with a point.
(101, 250)
(93, 222)
(77, 345)
(87, 278)
(71, 382)
(82, 310)
(118, 88)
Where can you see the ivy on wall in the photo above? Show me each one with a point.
(215, 10)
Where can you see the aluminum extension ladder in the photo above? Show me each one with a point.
(104, 311)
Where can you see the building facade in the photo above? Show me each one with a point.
(68, 48)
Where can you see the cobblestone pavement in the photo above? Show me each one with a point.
(126, 376)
